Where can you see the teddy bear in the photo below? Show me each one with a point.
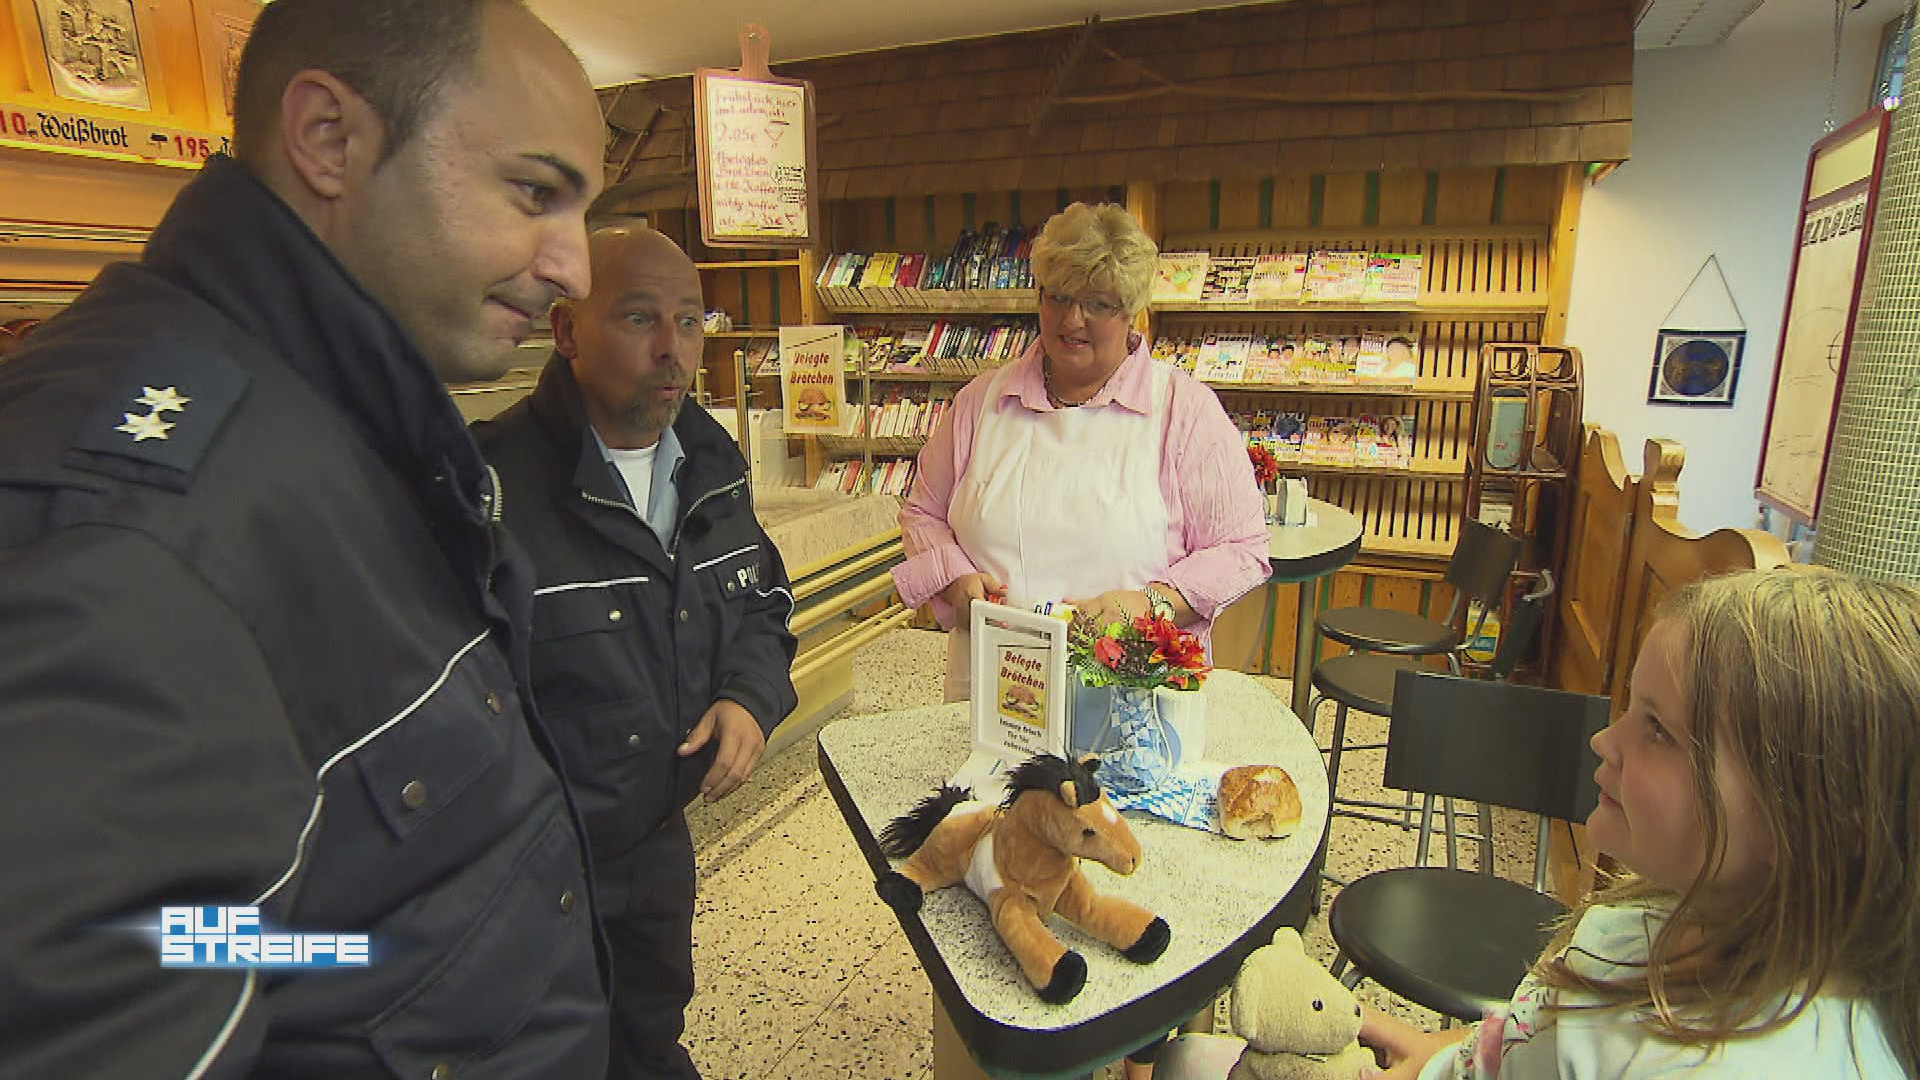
(1293, 1018)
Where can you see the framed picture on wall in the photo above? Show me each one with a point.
(93, 52)
(1696, 367)
(1841, 194)
(223, 27)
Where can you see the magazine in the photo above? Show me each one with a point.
(1336, 276)
(1278, 278)
(1180, 275)
(1393, 279)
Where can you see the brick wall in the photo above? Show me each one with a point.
(1350, 85)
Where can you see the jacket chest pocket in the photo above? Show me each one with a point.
(585, 607)
(427, 756)
(586, 643)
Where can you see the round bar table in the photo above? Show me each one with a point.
(1223, 898)
(1304, 554)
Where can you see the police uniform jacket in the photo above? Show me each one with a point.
(636, 635)
(260, 643)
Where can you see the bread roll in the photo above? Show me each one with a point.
(1259, 801)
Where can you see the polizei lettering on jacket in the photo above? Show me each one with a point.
(79, 129)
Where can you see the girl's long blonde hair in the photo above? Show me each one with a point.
(1809, 680)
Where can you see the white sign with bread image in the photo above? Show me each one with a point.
(813, 380)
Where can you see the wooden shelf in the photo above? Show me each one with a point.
(742, 335)
(924, 376)
(1405, 546)
(897, 445)
(1478, 306)
(935, 302)
(749, 264)
(1443, 471)
(1426, 393)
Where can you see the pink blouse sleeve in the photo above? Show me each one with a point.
(934, 556)
(1223, 520)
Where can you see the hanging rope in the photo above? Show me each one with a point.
(1833, 78)
(1725, 287)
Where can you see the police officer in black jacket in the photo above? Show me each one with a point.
(661, 653)
(262, 641)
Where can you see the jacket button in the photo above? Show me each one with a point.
(633, 742)
(683, 615)
(442, 1071)
(566, 902)
(414, 794)
(615, 615)
(729, 586)
(493, 704)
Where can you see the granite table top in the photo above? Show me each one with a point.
(1329, 540)
(1222, 898)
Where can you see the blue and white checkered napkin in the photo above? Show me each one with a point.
(1190, 797)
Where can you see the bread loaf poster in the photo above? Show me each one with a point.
(1019, 693)
(813, 379)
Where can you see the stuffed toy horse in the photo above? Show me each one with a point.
(1022, 858)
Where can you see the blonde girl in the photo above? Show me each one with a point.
(1763, 790)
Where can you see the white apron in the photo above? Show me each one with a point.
(1060, 505)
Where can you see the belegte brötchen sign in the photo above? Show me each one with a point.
(813, 379)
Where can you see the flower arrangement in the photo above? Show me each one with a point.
(1266, 467)
(1146, 653)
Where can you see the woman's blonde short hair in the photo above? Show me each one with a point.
(1096, 247)
(1808, 681)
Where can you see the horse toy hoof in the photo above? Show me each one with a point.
(1022, 858)
(1069, 978)
(899, 891)
(1153, 942)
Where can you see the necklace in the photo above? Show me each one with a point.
(1055, 400)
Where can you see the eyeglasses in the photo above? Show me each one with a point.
(1094, 308)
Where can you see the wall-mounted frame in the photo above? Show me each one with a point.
(754, 136)
(223, 27)
(1696, 367)
(95, 52)
(1837, 206)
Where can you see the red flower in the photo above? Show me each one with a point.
(1266, 467)
(1108, 652)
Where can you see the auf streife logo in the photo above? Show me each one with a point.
(232, 937)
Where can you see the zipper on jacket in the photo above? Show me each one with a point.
(598, 501)
(674, 547)
(493, 500)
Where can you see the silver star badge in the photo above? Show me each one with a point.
(168, 400)
(145, 427)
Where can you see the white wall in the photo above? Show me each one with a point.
(1720, 142)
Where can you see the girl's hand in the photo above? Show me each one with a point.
(1408, 1049)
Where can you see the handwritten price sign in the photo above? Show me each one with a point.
(755, 167)
(35, 128)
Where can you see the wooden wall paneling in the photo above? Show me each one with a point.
(1532, 193)
(1571, 189)
(1241, 204)
(1345, 202)
(1186, 207)
(1466, 199)
(1403, 199)
(1589, 595)
(1292, 201)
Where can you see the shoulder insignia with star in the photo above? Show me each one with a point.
(165, 410)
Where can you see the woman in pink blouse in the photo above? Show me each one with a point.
(1084, 471)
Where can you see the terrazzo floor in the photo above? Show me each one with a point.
(802, 971)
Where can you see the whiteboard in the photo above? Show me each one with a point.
(1830, 256)
(757, 161)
